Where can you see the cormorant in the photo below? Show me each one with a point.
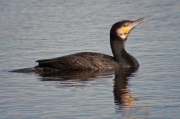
(97, 61)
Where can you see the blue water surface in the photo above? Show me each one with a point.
(40, 29)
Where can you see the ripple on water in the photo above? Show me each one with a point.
(32, 30)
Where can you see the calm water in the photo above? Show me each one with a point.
(38, 29)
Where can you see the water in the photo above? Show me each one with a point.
(32, 30)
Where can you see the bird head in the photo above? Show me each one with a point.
(123, 28)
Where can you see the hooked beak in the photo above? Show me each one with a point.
(136, 23)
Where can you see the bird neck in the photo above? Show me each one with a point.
(118, 49)
(120, 54)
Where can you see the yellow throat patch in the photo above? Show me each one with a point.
(125, 30)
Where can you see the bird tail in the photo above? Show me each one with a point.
(25, 70)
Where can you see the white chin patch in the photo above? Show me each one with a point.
(123, 36)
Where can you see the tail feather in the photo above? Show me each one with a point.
(25, 70)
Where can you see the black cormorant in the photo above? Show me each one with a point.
(97, 61)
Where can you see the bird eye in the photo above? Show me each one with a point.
(125, 25)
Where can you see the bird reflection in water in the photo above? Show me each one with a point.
(122, 95)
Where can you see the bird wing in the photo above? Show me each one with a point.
(69, 62)
(79, 61)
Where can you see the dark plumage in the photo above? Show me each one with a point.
(97, 61)
(79, 61)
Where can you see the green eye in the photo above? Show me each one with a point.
(125, 25)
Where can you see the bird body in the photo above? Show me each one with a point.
(79, 61)
(96, 61)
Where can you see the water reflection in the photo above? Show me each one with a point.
(122, 95)
(74, 75)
